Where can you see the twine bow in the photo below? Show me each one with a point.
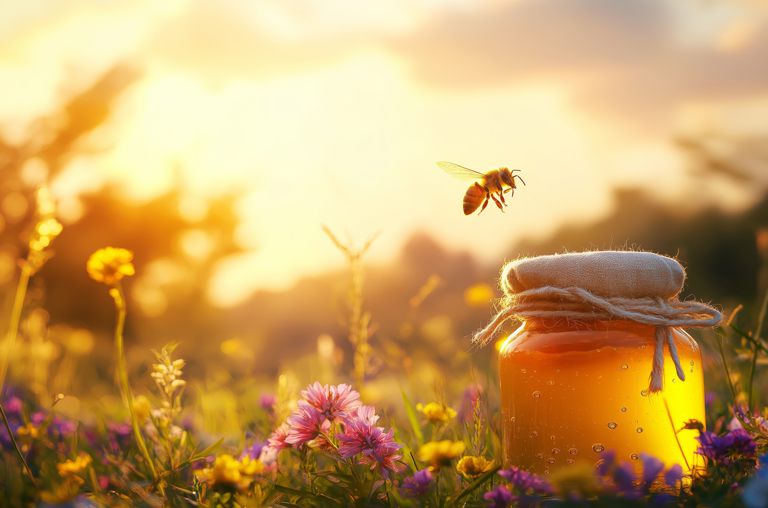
(579, 304)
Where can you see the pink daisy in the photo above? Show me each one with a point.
(277, 441)
(361, 436)
(305, 425)
(333, 402)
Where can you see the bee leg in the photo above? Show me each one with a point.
(498, 203)
(501, 197)
(487, 197)
(485, 203)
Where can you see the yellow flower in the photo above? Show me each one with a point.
(228, 471)
(440, 453)
(436, 412)
(471, 466)
(110, 264)
(28, 430)
(73, 467)
(63, 493)
(142, 408)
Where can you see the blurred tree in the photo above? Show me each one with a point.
(176, 251)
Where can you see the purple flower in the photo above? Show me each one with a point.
(469, 402)
(500, 497)
(277, 441)
(651, 468)
(607, 462)
(305, 425)
(525, 482)
(736, 444)
(13, 406)
(418, 484)
(254, 451)
(673, 475)
(267, 402)
(333, 402)
(61, 428)
(362, 436)
(624, 478)
(119, 436)
(37, 417)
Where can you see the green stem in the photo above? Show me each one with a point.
(758, 333)
(15, 444)
(10, 343)
(122, 375)
(725, 364)
(13, 326)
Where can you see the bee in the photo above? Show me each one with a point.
(487, 186)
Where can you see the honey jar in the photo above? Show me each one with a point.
(600, 362)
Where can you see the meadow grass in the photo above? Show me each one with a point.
(325, 444)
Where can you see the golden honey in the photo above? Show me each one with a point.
(570, 391)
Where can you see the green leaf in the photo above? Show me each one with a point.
(413, 418)
(477, 483)
(206, 451)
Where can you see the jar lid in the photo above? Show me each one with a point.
(627, 274)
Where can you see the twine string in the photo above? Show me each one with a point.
(578, 304)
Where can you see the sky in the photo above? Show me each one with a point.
(334, 112)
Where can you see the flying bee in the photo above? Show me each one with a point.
(487, 186)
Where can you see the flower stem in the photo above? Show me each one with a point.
(122, 375)
(13, 326)
(756, 352)
(10, 342)
(15, 444)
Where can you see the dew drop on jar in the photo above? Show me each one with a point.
(571, 390)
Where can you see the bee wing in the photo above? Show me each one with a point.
(459, 171)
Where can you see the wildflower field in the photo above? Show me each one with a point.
(347, 439)
(391, 253)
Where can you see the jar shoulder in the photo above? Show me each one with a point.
(560, 340)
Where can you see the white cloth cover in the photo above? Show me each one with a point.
(626, 274)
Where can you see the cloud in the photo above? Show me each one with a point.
(227, 40)
(626, 56)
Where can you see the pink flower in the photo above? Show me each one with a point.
(277, 441)
(305, 425)
(361, 436)
(333, 402)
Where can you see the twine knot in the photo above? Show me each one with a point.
(579, 304)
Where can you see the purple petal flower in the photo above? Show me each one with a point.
(469, 401)
(607, 462)
(333, 402)
(500, 497)
(418, 484)
(361, 436)
(624, 478)
(736, 444)
(651, 468)
(254, 451)
(267, 402)
(306, 424)
(525, 482)
(673, 475)
(13, 406)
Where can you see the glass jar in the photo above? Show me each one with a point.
(571, 390)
